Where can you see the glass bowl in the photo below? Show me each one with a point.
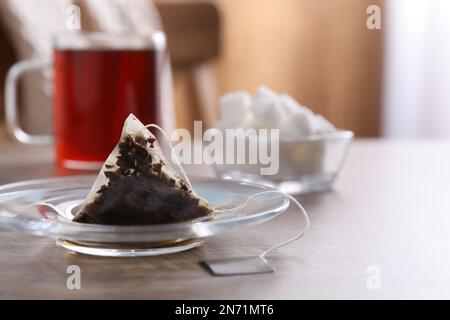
(306, 164)
(45, 207)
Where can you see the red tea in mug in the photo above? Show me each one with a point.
(95, 90)
(99, 79)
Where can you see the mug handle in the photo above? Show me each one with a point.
(11, 110)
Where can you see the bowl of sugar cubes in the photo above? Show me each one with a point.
(274, 140)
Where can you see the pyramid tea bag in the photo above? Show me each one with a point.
(137, 186)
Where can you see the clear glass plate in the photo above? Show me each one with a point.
(45, 207)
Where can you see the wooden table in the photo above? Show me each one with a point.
(388, 216)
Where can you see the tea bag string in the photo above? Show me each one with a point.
(172, 154)
(291, 198)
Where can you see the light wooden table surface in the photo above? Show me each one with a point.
(390, 208)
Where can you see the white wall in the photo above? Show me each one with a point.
(417, 69)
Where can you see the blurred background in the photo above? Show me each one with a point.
(389, 82)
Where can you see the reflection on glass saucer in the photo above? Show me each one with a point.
(45, 207)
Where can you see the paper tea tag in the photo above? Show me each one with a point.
(237, 266)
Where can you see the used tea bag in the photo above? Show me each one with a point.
(137, 186)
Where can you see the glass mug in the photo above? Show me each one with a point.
(98, 79)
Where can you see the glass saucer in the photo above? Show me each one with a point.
(45, 207)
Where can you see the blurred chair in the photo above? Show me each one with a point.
(193, 42)
(193, 33)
